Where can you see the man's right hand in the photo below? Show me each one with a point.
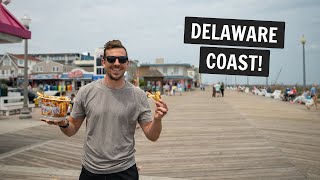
(55, 122)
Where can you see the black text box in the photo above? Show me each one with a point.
(232, 61)
(232, 32)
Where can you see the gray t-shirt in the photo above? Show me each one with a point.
(111, 116)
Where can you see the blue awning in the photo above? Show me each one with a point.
(84, 76)
(96, 77)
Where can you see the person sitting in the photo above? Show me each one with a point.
(286, 94)
(304, 98)
(292, 93)
(269, 89)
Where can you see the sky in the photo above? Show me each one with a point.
(151, 30)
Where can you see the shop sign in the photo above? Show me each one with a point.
(75, 74)
(45, 76)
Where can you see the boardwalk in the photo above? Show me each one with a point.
(241, 136)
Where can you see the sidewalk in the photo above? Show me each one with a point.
(13, 123)
(240, 136)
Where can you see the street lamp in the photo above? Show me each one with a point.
(303, 42)
(25, 113)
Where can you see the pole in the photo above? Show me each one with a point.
(266, 81)
(304, 67)
(25, 113)
(226, 81)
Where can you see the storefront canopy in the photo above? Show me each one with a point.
(11, 30)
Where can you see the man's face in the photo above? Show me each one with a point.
(115, 70)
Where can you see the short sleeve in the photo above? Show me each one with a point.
(78, 110)
(144, 108)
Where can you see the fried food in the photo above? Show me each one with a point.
(156, 96)
(53, 106)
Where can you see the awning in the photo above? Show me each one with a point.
(11, 30)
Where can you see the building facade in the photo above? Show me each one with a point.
(175, 73)
(63, 58)
(55, 76)
(12, 68)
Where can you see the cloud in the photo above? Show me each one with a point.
(156, 29)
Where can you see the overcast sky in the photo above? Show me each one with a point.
(155, 29)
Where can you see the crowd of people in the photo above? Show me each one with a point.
(309, 97)
(173, 89)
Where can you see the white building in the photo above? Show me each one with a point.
(12, 67)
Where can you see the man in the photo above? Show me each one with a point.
(314, 96)
(112, 106)
(222, 89)
(217, 86)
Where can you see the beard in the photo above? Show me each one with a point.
(114, 78)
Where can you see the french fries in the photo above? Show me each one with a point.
(53, 106)
(156, 96)
(40, 95)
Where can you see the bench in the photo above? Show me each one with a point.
(12, 104)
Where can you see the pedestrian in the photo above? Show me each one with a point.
(213, 90)
(111, 107)
(314, 96)
(217, 86)
(179, 88)
(222, 89)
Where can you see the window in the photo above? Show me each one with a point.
(55, 68)
(20, 62)
(6, 62)
(176, 70)
(98, 62)
(41, 70)
(101, 71)
(37, 69)
(165, 70)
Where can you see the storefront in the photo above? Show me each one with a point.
(46, 82)
(76, 79)
(185, 81)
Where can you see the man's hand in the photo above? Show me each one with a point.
(55, 122)
(161, 110)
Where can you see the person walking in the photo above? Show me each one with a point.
(217, 86)
(111, 107)
(222, 89)
(314, 96)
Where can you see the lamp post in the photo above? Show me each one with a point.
(25, 113)
(303, 42)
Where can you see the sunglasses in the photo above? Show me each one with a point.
(121, 59)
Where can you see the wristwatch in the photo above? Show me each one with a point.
(67, 125)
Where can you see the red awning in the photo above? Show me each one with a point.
(11, 26)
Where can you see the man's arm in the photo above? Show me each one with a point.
(72, 129)
(152, 129)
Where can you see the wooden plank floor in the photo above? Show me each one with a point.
(240, 136)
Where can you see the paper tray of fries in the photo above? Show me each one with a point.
(53, 107)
